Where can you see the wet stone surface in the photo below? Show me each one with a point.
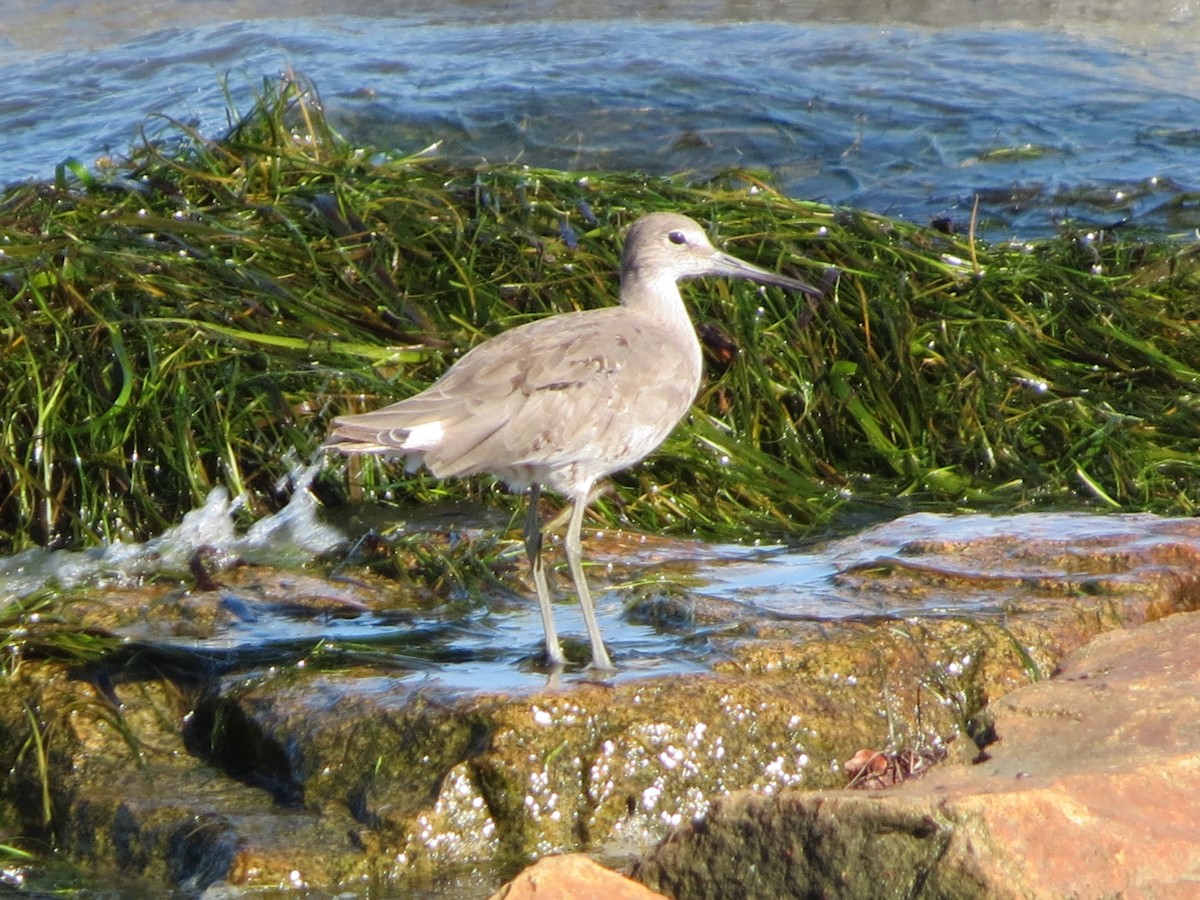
(293, 728)
(1087, 789)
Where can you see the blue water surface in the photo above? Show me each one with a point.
(1042, 126)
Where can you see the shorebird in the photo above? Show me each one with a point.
(564, 401)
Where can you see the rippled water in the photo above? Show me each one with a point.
(1095, 124)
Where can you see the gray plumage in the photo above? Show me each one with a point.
(567, 400)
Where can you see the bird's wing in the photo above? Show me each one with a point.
(544, 394)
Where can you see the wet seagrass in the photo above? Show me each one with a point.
(196, 314)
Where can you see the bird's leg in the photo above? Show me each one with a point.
(574, 549)
(533, 549)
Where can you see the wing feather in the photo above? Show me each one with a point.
(577, 389)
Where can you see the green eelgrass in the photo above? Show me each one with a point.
(196, 314)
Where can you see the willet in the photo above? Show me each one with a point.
(566, 400)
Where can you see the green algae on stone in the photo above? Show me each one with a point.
(129, 799)
(1088, 792)
(343, 765)
(784, 847)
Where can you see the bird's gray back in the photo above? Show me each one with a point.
(560, 401)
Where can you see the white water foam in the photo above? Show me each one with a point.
(290, 537)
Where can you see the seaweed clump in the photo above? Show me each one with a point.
(196, 313)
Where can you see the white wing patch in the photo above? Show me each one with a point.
(423, 437)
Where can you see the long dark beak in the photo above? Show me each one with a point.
(724, 264)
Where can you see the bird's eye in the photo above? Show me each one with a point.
(677, 237)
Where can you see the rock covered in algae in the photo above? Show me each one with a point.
(241, 744)
(1088, 790)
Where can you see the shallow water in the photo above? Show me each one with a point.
(664, 605)
(1046, 111)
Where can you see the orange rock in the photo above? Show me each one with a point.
(1092, 790)
(572, 877)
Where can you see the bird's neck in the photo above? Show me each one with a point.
(654, 295)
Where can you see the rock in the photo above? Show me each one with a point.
(267, 728)
(572, 876)
(1091, 789)
(148, 811)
